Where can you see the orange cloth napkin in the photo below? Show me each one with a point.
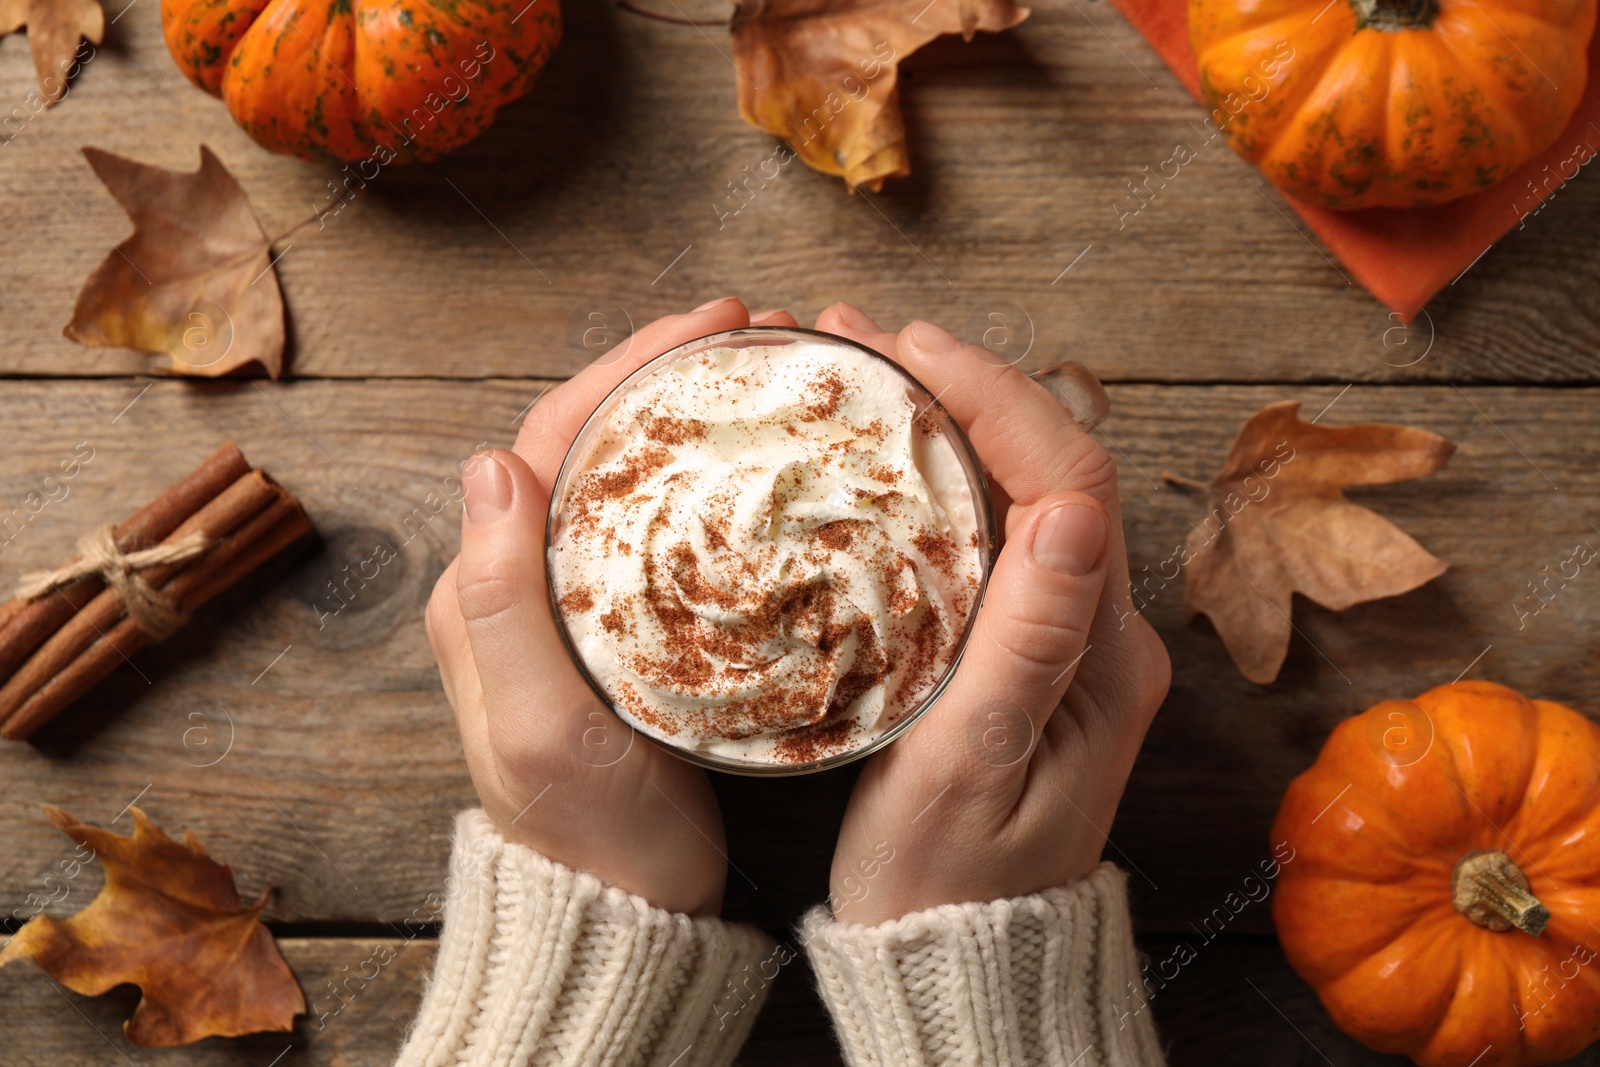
(1404, 257)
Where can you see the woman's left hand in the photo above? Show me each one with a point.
(554, 768)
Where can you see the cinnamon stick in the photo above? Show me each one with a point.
(24, 626)
(228, 510)
(263, 536)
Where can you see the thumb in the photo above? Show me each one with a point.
(500, 586)
(1030, 633)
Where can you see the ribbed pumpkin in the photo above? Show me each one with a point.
(387, 80)
(1393, 103)
(1444, 898)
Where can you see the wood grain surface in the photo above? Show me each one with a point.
(618, 167)
(344, 769)
(302, 733)
(1236, 1003)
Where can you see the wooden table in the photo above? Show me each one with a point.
(316, 752)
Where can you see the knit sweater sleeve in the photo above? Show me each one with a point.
(1048, 980)
(544, 966)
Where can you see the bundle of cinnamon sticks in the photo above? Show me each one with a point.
(55, 645)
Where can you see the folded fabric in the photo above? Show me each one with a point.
(543, 966)
(1047, 980)
(1404, 257)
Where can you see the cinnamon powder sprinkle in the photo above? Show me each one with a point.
(716, 529)
(904, 599)
(577, 599)
(817, 742)
(617, 484)
(833, 389)
(592, 489)
(686, 575)
(614, 621)
(674, 431)
(836, 535)
(612, 485)
(641, 710)
(926, 644)
(938, 550)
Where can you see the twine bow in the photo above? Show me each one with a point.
(98, 554)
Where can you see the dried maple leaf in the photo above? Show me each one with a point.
(195, 280)
(170, 921)
(822, 74)
(1280, 524)
(54, 29)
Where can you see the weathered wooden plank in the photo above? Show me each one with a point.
(1518, 495)
(1237, 1002)
(345, 770)
(361, 994)
(367, 478)
(622, 163)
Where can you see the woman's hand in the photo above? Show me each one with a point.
(554, 768)
(1009, 783)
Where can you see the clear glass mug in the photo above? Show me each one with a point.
(1077, 390)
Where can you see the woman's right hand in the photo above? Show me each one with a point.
(1008, 785)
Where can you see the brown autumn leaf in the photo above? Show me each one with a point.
(195, 280)
(170, 921)
(54, 29)
(1281, 524)
(822, 74)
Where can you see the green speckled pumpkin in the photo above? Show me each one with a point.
(1391, 103)
(356, 80)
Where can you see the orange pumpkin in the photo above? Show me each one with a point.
(359, 80)
(1444, 895)
(1390, 103)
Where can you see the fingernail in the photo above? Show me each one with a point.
(856, 319)
(1069, 539)
(709, 304)
(929, 338)
(488, 489)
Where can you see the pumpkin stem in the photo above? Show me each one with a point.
(1394, 15)
(1491, 890)
(629, 5)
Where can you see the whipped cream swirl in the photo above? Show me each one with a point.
(768, 552)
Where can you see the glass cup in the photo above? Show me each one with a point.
(768, 337)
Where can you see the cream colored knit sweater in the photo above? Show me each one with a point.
(543, 966)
